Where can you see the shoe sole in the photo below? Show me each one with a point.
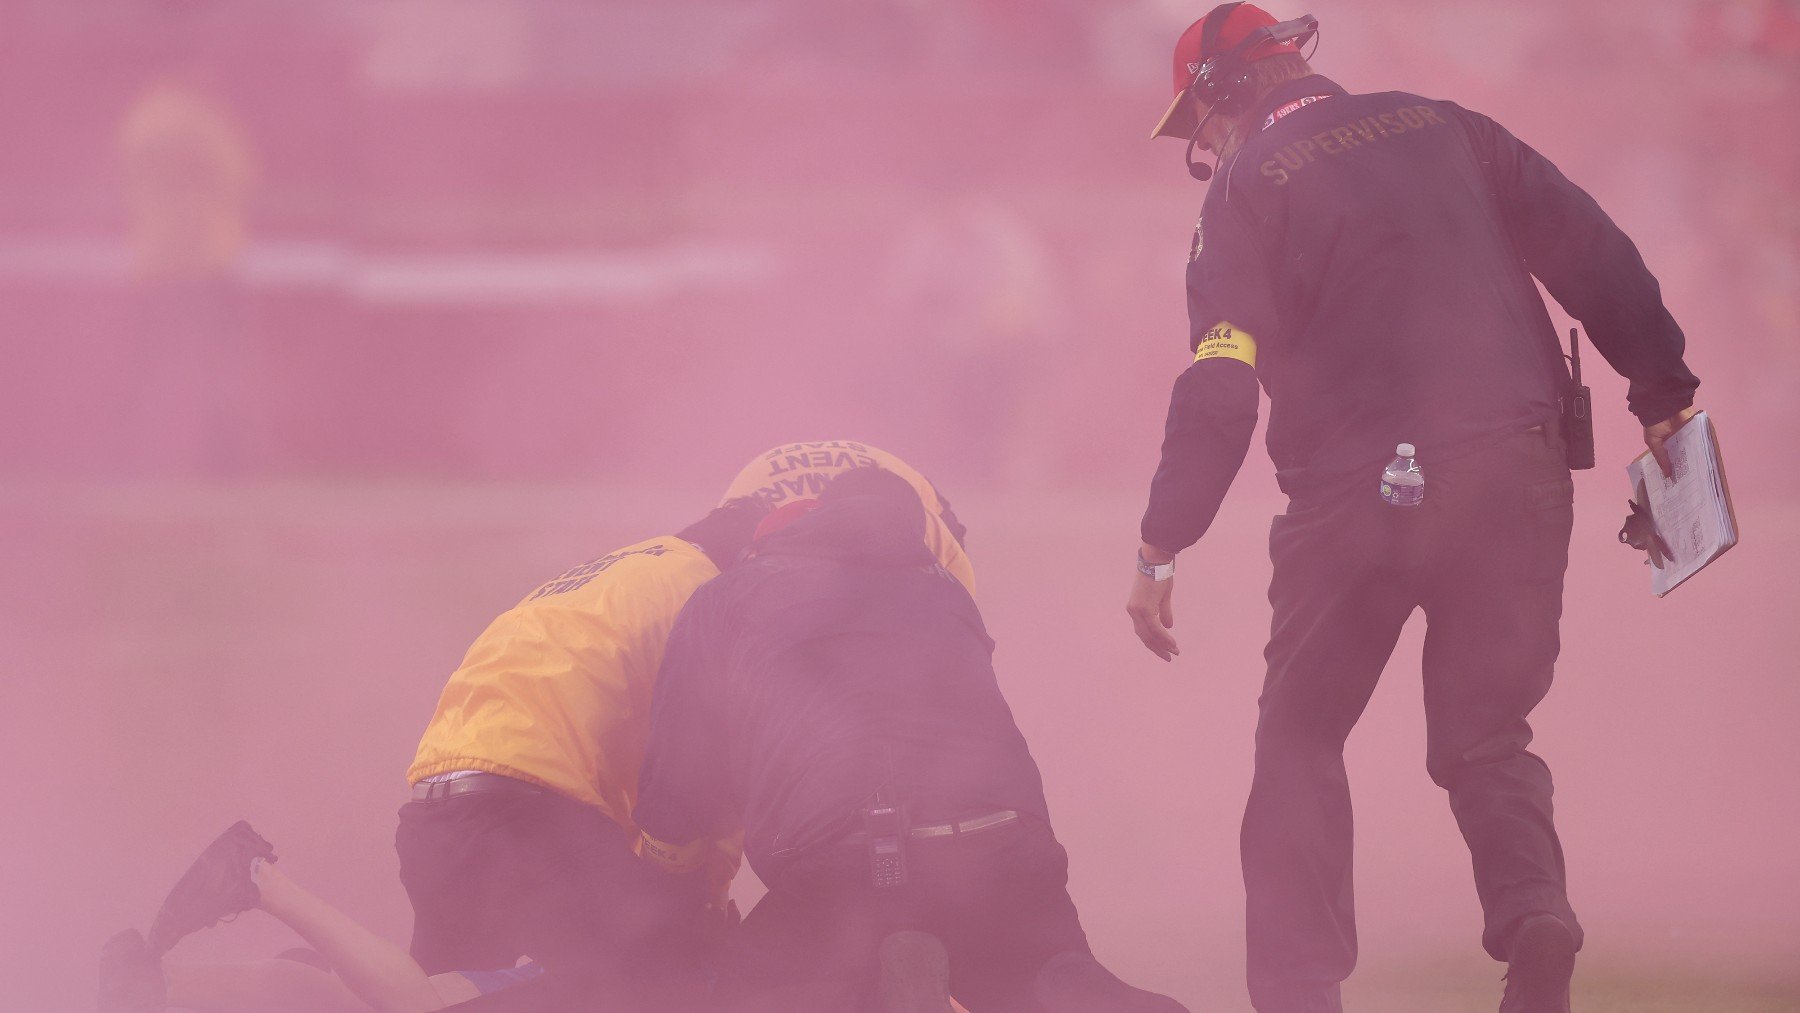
(1544, 954)
(175, 919)
(915, 974)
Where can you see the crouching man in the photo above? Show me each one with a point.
(835, 696)
(518, 840)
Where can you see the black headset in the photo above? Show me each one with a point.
(1223, 80)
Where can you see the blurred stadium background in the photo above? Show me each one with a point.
(327, 328)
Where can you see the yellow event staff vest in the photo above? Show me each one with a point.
(801, 470)
(557, 691)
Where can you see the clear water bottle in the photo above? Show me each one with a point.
(1402, 482)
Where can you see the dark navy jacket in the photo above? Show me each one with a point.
(1376, 252)
(839, 659)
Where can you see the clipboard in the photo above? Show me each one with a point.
(1682, 523)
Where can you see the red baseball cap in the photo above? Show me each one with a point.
(1182, 119)
(782, 516)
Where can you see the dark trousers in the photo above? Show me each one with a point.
(494, 876)
(1484, 557)
(998, 900)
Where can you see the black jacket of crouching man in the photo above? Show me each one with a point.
(838, 660)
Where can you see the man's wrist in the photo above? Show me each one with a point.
(1675, 419)
(1153, 555)
(1155, 563)
(1663, 411)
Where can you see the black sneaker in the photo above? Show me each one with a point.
(131, 978)
(915, 973)
(215, 887)
(1543, 962)
(1074, 982)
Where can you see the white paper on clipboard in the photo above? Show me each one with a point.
(1692, 510)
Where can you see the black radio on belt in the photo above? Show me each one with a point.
(1577, 406)
(884, 823)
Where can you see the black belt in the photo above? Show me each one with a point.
(432, 791)
(972, 825)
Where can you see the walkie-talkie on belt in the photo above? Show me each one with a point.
(885, 825)
(1577, 405)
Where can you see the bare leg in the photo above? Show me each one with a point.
(266, 986)
(282, 986)
(385, 976)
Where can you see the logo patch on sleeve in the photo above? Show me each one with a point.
(1226, 341)
(1199, 240)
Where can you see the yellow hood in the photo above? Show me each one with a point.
(801, 471)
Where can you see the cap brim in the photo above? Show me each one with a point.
(1181, 119)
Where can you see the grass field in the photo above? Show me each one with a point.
(1598, 989)
(185, 656)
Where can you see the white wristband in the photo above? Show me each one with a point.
(1155, 571)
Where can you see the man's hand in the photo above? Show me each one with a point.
(1656, 436)
(1150, 606)
(713, 925)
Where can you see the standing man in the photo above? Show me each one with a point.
(1369, 260)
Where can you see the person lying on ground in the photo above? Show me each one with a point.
(348, 969)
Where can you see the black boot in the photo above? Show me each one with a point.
(1541, 964)
(1075, 982)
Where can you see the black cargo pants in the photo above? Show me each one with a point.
(1483, 556)
(496, 875)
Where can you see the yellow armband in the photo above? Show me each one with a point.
(668, 857)
(1227, 341)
